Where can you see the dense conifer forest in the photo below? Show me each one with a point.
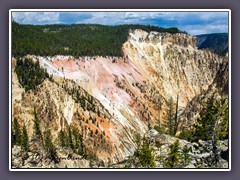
(76, 40)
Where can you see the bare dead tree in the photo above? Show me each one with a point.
(176, 117)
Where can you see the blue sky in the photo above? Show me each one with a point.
(192, 22)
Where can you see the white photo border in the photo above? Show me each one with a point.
(116, 10)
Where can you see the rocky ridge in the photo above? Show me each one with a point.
(200, 153)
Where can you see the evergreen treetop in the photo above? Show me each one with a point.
(76, 40)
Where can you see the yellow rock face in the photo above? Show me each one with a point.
(124, 95)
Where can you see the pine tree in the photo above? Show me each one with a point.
(49, 146)
(36, 127)
(81, 146)
(208, 124)
(174, 156)
(98, 112)
(61, 137)
(29, 73)
(223, 114)
(24, 143)
(186, 156)
(76, 139)
(176, 118)
(16, 134)
(186, 134)
(103, 40)
(145, 155)
(170, 117)
(70, 139)
(159, 127)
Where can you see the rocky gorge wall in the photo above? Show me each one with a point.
(173, 63)
(124, 95)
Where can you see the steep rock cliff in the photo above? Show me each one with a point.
(122, 96)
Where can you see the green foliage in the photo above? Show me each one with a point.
(223, 125)
(24, 142)
(78, 141)
(159, 129)
(74, 140)
(49, 146)
(212, 121)
(36, 127)
(61, 137)
(138, 140)
(19, 137)
(186, 156)
(145, 155)
(174, 156)
(224, 52)
(170, 116)
(16, 133)
(76, 40)
(186, 134)
(29, 73)
(70, 139)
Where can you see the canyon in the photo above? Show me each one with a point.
(111, 100)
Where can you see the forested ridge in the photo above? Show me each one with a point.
(76, 40)
(217, 42)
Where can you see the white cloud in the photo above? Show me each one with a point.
(192, 22)
(109, 18)
(204, 29)
(36, 17)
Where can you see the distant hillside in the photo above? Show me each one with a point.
(76, 40)
(217, 42)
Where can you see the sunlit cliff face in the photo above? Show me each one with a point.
(132, 92)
